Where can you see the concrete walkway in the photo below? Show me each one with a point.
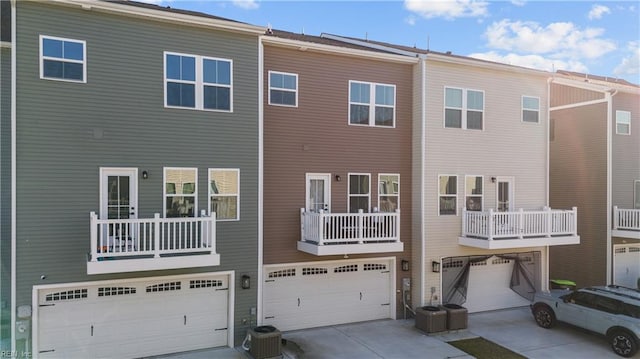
(514, 329)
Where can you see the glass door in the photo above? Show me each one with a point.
(318, 192)
(118, 201)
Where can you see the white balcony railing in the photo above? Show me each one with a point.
(547, 223)
(350, 228)
(150, 241)
(626, 223)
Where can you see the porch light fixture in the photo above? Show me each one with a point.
(338, 178)
(145, 174)
(493, 180)
(435, 267)
(404, 264)
(245, 282)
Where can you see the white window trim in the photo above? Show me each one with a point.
(388, 195)
(372, 104)
(464, 108)
(164, 190)
(198, 83)
(83, 62)
(349, 195)
(618, 123)
(474, 195)
(447, 195)
(528, 109)
(283, 89)
(237, 195)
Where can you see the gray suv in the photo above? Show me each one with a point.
(612, 311)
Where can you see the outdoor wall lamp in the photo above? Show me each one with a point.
(145, 174)
(404, 264)
(493, 180)
(435, 267)
(245, 282)
(338, 178)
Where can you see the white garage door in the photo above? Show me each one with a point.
(320, 293)
(627, 265)
(133, 318)
(489, 289)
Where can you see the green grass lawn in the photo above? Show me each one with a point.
(484, 349)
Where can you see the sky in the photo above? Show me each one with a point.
(596, 37)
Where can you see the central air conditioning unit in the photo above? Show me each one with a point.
(266, 342)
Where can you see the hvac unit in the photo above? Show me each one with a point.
(266, 342)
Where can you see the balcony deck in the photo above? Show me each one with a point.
(520, 229)
(349, 233)
(141, 244)
(626, 223)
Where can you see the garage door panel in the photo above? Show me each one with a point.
(627, 265)
(489, 286)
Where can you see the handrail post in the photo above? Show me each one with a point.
(521, 222)
(213, 236)
(575, 221)
(397, 225)
(464, 221)
(302, 239)
(156, 235)
(322, 219)
(94, 236)
(490, 225)
(616, 217)
(549, 215)
(360, 225)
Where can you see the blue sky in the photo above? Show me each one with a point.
(596, 37)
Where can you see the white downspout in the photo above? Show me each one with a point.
(260, 178)
(609, 97)
(545, 275)
(423, 129)
(13, 175)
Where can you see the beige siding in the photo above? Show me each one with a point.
(564, 95)
(506, 147)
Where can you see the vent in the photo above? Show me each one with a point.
(344, 269)
(164, 287)
(374, 266)
(314, 271)
(66, 295)
(283, 273)
(205, 283)
(111, 291)
(621, 250)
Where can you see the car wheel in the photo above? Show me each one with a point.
(623, 343)
(544, 316)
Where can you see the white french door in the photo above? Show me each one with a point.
(504, 195)
(119, 200)
(318, 192)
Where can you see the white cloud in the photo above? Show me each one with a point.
(597, 11)
(246, 4)
(518, 2)
(560, 39)
(448, 9)
(411, 20)
(532, 61)
(630, 65)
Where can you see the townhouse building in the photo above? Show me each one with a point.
(595, 164)
(337, 182)
(134, 168)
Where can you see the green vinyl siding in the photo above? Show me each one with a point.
(67, 131)
(5, 195)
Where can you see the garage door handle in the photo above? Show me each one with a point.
(92, 330)
(298, 302)
(360, 295)
(185, 320)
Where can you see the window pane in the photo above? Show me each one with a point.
(473, 185)
(384, 95)
(276, 80)
(529, 116)
(358, 184)
(217, 98)
(183, 180)
(475, 100)
(637, 195)
(384, 116)
(289, 82)
(448, 185)
(173, 67)
(223, 182)
(72, 71)
(52, 48)
(388, 184)
(124, 190)
(188, 68)
(217, 72)
(53, 68)
(180, 206)
(447, 205)
(360, 92)
(224, 72)
(474, 203)
(530, 103)
(358, 202)
(73, 50)
(622, 129)
(181, 94)
(474, 120)
(453, 98)
(388, 203)
(283, 97)
(225, 207)
(359, 114)
(453, 118)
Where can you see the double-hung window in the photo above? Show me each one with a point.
(448, 194)
(388, 192)
(463, 108)
(283, 89)
(63, 59)
(372, 104)
(180, 192)
(198, 82)
(359, 192)
(623, 122)
(224, 193)
(530, 109)
(473, 193)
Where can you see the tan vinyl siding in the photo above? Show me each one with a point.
(625, 152)
(315, 137)
(579, 178)
(505, 147)
(564, 95)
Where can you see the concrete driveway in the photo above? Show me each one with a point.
(514, 329)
